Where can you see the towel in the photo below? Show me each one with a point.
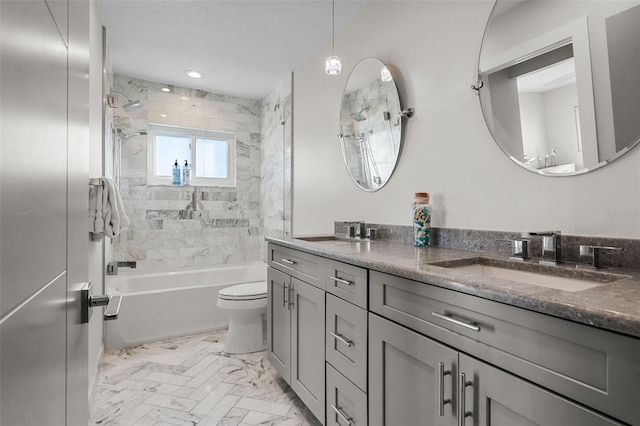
(106, 210)
(96, 221)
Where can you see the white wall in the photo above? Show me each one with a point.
(448, 150)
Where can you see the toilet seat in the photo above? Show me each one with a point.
(249, 291)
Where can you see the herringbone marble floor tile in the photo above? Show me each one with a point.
(190, 381)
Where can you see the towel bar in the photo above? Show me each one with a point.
(95, 181)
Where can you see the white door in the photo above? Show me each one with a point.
(43, 346)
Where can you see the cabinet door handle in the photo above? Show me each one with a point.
(469, 325)
(462, 410)
(341, 281)
(341, 414)
(342, 339)
(288, 262)
(284, 295)
(291, 297)
(441, 401)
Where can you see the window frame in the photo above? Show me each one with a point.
(193, 134)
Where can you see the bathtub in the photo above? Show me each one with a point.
(160, 304)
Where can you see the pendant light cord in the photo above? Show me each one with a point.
(333, 27)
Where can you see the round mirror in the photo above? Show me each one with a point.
(370, 124)
(558, 82)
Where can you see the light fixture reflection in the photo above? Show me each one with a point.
(385, 74)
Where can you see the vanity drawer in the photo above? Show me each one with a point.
(348, 282)
(346, 339)
(301, 265)
(346, 404)
(592, 366)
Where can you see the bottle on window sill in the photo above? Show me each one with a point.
(175, 177)
(186, 174)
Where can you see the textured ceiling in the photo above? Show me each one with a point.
(243, 47)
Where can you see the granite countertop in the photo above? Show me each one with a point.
(613, 306)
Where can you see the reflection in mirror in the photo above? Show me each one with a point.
(560, 92)
(370, 124)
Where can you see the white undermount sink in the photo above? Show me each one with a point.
(543, 276)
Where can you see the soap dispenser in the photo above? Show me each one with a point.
(186, 174)
(175, 176)
(421, 217)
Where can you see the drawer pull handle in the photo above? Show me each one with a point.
(341, 414)
(289, 262)
(469, 325)
(462, 410)
(342, 339)
(441, 401)
(341, 281)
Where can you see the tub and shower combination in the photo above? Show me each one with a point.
(160, 304)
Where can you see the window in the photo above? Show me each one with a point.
(211, 155)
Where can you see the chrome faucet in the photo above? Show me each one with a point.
(551, 247)
(112, 267)
(590, 256)
(519, 248)
(355, 229)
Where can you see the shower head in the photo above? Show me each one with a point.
(112, 100)
(358, 116)
(132, 105)
(133, 135)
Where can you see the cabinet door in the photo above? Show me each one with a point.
(307, 345)
(407, 385)
(279, 322)
(494, 397)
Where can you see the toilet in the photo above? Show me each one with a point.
(247, 306)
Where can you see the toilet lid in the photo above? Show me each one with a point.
(248, 291)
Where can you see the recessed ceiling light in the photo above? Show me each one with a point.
(166, 89)
(194, 74)
(163, 115)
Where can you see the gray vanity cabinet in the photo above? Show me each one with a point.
(414, 380)
(406, 370)
(494, 397)
(400, 352)
(295, 313)
(596, 368)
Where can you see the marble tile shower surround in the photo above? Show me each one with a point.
(488, 241)
(187, 225)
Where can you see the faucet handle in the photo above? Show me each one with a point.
(544, 233)
(551, 247)
(590, 256)
(351, 229)
(519, 248)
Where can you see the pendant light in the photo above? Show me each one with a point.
(333, 65)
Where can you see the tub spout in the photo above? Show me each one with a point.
(112, 267)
